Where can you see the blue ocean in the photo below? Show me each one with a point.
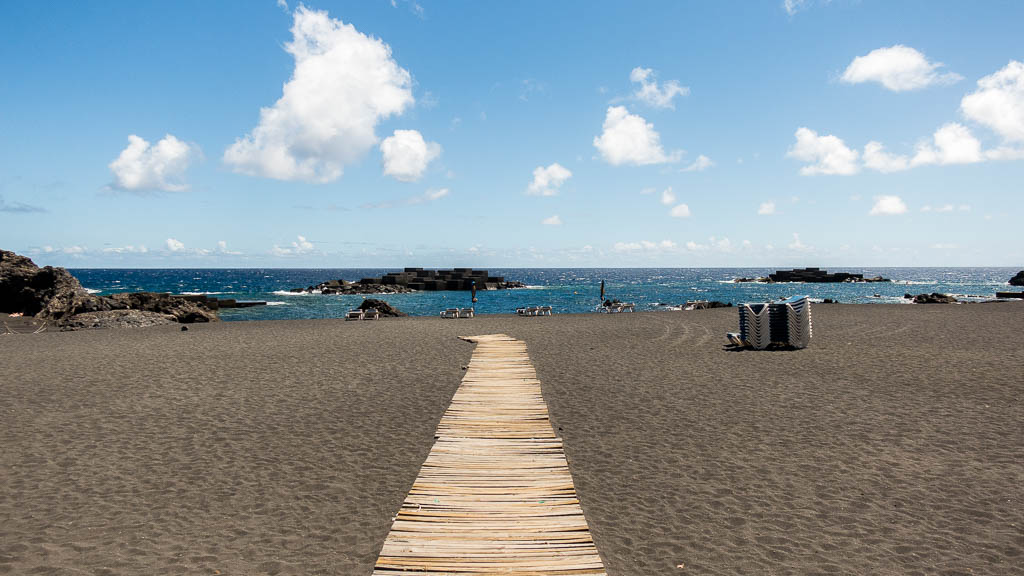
(566, 290)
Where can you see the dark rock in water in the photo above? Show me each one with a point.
(116, 319)
(934, 298)
(829, 301)
(818, 275)
(414, 279)
(908, 296)
(758, 279)
(1018, 280)
(382, 307)
(54, 294)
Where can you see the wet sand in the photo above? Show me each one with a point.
(893, 445)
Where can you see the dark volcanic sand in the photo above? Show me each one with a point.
(894, 445)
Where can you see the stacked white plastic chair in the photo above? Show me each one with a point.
(790, 322)
(754, 325)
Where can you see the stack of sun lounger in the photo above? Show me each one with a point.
(790, 321)
(755, 329)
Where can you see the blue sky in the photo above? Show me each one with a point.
(350, 134)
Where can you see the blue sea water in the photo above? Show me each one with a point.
(566, 290)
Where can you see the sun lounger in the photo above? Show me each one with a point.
(544, 310)
(466, 313)
(355, 314)
(371, 314)
(450, 313)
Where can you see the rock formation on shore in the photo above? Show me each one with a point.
(53, 294)
(382, 307)
(934, 298)
(1018, 280)
(414, 279)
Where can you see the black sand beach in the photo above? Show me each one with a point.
(893, 445)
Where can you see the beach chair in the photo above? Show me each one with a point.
(754, 325)
(354, 314)
(544, 311)
(466, 312)
(371, 314)
(628, 307)
(450, 313)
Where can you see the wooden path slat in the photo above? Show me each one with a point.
(495, 495)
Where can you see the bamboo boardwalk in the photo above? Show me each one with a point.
(495, 495)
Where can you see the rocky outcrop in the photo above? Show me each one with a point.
(934, 298)
(116, 319)
(48, 292)
(818, 275)
(415, 279)
(180, 309)
(1018, 280)
(55, 295)
(346, 287)
(382, 307)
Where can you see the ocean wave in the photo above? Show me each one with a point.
(277, 303)
(537, 287)
(287, 293)
(200, 293)
(93, 291)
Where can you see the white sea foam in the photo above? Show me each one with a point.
(536, 287)
(287, 293)
(200, 293)
(277, 303)
(93, 291)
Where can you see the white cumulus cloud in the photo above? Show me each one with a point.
(629, 139)
(876, 158)
(668, 197)
(650, 93)
(701, 164)
(680, 211)
(547, 181)
(343, 84)
(898, 68)
(766, 209)
(827, 154)
(951, 144)
(888, 206)
(998, 103)
(405, 155)
(160, 166)
(300, 246)
(552, 221)
(174, 245)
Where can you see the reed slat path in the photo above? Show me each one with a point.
(495, 495)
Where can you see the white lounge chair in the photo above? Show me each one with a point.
(544, 310)
(450, 313)
(354, 314)
(371, 314)
(466, 312)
